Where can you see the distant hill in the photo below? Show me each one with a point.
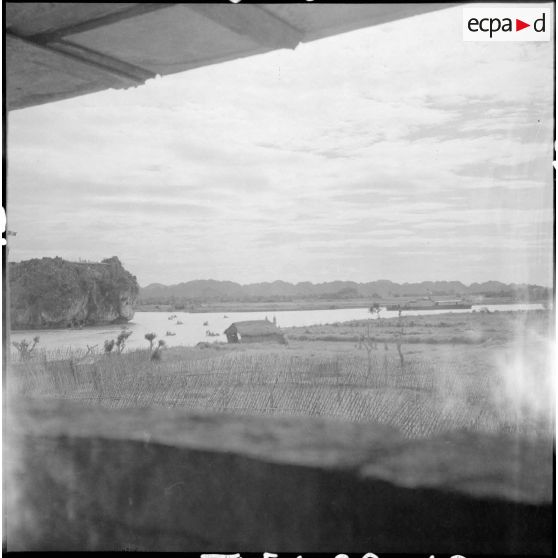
(228, 291)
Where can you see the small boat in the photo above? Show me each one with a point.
(205, 323)
(170, 334)
(225, 316)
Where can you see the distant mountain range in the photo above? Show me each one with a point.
(228, 291)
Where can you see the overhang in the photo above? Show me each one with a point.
(61, 50)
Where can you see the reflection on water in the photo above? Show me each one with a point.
(192, 330)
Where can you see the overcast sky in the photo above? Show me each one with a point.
(394, 152)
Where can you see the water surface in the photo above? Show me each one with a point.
(193, 330)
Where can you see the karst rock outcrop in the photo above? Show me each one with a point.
(55, 293)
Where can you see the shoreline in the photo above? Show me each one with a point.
(448, 329)
(303, 305)
(265, 308)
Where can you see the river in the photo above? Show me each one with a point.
(192, 330)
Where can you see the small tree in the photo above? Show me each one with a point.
(24, 348)
(399, 338)
(121, 340)
(150, 337)
(156, 354)
(367, 343)
(375, 308)
(375, 311)
(109, 345)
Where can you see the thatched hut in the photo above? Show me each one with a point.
(254, 331)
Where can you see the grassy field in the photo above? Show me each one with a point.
(452, 328)
(424, 375)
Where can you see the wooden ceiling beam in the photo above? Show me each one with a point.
(102, 62)
(252, 21)
(101, 21)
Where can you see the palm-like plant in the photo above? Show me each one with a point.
(121, 340)
(150, 337)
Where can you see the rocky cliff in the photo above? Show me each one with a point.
(52, 292)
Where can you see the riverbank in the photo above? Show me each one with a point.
(229, 307)
(423, 375)
(187, 329)
(294, 305)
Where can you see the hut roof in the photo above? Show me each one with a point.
(254, 327)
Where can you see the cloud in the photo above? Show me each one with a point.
(358, 156)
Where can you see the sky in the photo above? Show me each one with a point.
(394, 152)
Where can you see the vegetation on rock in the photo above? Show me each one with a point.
(53, 292)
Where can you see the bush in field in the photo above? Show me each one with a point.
(367, 343)
(150, 337)
(121, 340)
(375, 308)
(157, 353)
(399, 338)
(375, 311)
(24, 348)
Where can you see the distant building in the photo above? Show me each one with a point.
(255, 331)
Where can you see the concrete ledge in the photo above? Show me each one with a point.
(96, 479)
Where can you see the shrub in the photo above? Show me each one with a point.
(157, 353)
(150, 337)
(121, 340)
(24, 348)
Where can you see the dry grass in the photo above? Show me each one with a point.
(452, 328)
(438, 388)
